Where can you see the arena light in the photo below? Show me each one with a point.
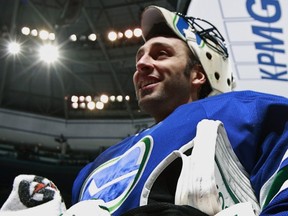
(43, 35)
(119, 98)
(75, 105)
(112, 98)
(49, 53)
(104, 98)
(25, 30)
(34, 32)
(73, 37)
(74, 99)
(99, 105)
(91, 105)
(89, 102)
(92, 37)
(88, 98)
(82, 105)
(51, 36)
(137, 32)
(81, 98)
(14, 48)
(120, 35)
(128, 33)
(112, 36)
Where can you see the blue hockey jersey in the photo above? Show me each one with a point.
(257, 127)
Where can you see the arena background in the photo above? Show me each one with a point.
(40, 134)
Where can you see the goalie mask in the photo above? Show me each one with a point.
(203, 39)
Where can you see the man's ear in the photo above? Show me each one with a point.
(198, 77)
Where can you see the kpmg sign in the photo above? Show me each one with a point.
(256, 33)
(270, 47)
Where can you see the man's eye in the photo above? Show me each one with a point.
(162, 54)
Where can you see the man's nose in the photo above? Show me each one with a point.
(144, 64)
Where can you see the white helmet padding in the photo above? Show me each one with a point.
(210, 50)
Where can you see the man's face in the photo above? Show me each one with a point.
(159, 80)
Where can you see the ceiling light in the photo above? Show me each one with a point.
(112, 36)
(112, 98)
(73, 37)
(119, 98)
(14, 48)
(25, 30)
(88, 98)
(75, 105)
(34, 32)
(43, 34)
(137, 32)
(51, 36)
(104, 98)
(82, 105)
(128, 33)
(74, 99)
(48, 53)
(81, 98)
(120, 35)
(127, 97)
(91, 105)
(92, 37)
(99, 105)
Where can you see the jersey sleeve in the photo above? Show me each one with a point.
(77, 185)
(270, 174)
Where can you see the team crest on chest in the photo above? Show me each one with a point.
(114, 180)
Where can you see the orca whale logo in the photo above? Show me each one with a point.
(114, 180)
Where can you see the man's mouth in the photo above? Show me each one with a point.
(144, 84)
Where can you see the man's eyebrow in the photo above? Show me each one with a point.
(155, 44)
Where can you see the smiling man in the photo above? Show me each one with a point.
(163, 81)
(183, 77)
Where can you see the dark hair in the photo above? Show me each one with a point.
(160, 29)
(206, 88)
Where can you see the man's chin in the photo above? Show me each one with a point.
(147, 102)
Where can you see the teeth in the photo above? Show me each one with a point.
(146, 82)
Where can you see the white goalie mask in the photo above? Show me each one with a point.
(203, 39)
